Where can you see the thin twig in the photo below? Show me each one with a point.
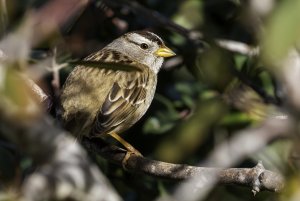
(238, 47)
(55, 68)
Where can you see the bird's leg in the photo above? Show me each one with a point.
(128, 146)
(130, 149)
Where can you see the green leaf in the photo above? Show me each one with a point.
(283, 31)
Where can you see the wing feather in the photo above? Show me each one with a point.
(125, 96)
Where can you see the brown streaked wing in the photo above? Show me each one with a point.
(126, 94)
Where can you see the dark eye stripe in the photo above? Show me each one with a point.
(144, 46)
(150, 36)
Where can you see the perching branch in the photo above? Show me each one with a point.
(257, 177)
(243, 144)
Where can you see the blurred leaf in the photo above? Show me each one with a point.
(213, 67)
(155, 126)
(168, 104)
(188, 101)
(267, 83)
(177, 39)
(189, 134)
(240, 60)
(16, 98)
(189, 15)
(235, 119)
(3, 17)
(282, 32)
(188, 91)
(185, 95)
(162, 189)
(184, 88)
(251, 69)
(244, 98)
(163, 120)
(276, 155)
(26, 163)
(15, 90)
(292, 189)
(209, 94)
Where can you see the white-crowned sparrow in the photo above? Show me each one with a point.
(99, 101)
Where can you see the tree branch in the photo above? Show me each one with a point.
(257, 177)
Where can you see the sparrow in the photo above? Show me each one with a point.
(97, 101)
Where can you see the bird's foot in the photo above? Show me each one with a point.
(130, 151)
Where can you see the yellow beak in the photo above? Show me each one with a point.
(164, 52)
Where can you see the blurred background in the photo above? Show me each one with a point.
(221, 82)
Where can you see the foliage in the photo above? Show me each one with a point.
(205, 95)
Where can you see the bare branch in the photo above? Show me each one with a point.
(257, 178)
(227, 154)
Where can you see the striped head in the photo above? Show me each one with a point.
(144, 47)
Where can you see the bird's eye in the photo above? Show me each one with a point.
(144, 46)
